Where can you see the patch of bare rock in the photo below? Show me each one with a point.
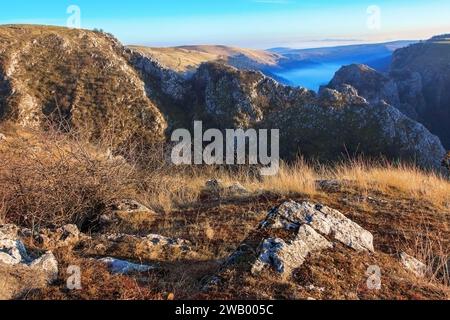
(216, 189)
(127, 215)
(291, 234)
(20, 272)
(413, 265)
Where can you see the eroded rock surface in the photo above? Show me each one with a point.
(19, 272)
(290, 234)
(286, 256)
(414, 265)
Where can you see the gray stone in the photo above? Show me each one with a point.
(18, 272)
(125, 267)
(48, 265)
(284, 256)
(326, 221)
(412, 264)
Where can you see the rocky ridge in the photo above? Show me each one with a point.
(89, 80)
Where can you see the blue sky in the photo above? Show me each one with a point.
(246, 23)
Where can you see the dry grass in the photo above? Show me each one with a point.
(389, 178)
(189, 58)
(51, 178)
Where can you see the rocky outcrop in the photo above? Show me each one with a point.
(19, 271)
(230, 98)
(351, 126)
(369, 83)
(74, 78)
(157, 77)
(285, 257)
(290, 235)
(416, 84)
(89, 82)
(335, 124)
(292, 215)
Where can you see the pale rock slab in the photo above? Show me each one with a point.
(284, 256)
(329, 222)
(118, 266)
(412, 264)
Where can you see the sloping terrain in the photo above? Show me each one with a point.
(79, 78)
(162, 232)
(189, 58)
(87, 82)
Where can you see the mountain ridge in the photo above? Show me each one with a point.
(94, 83)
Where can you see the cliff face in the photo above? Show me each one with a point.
(417, 84)
(79, 77)
(90, 81)
(330, 126)
(422, 74)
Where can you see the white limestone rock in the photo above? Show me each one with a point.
(412, 264)
(284, 256)
(118, 266)
(328, 222)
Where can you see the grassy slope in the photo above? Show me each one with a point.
(78, 76)
(188, 58)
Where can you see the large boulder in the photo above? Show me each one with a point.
(290, 235)
(329, 222)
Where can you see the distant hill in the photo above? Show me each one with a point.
(189, 58)
(377, 56)
(274, 62)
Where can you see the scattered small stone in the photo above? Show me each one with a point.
(128, 215)
(125, 267)
(216, 189)
(20, 273)
(152, 247)
(67, 236)
(412, 264)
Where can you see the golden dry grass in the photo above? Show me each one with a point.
(389, 178)
(47, 168)
(188, 58)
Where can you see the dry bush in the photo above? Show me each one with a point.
(49, 179)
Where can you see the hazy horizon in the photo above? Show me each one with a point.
(259, 24)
